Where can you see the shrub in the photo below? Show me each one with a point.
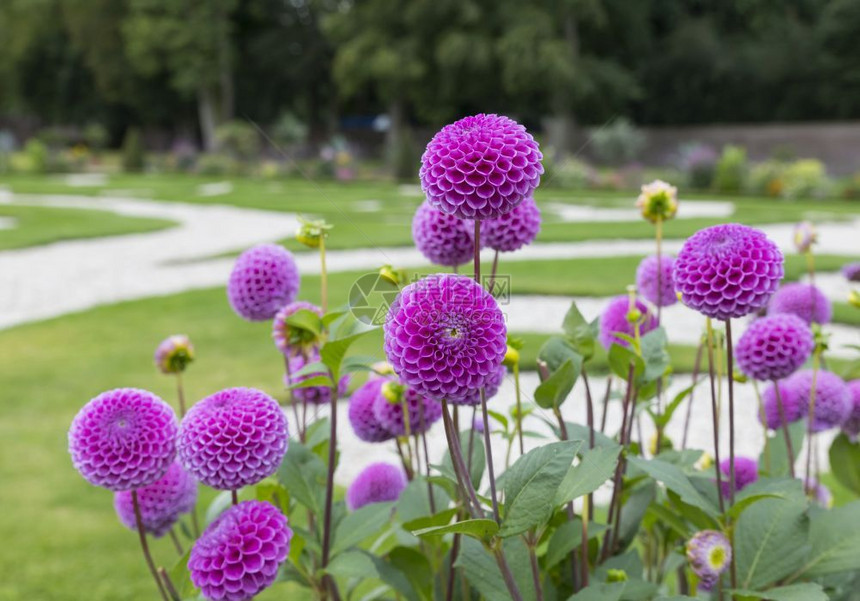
(37, 156)
(289, 130)
(569, 173)
(238, 139)
(806, 178)
(617, 143)
(731, 170)
(698, 162)
(216, 163)
(767, 178)
(133, 157)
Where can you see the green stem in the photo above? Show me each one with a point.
(519, 407)
(323, 275)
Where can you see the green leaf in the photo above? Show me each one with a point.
(674, 479)
(654, 354)
(306, 320)
(431, 521)
(580, 333)
(333, 352)
(835, 539)
(303, 474)
(670, 518)
(845, 462)
(531, 484)
(581, 432)
(275, 493)
(808, 591)
(770, 540)
(568, 537)
(663, 419)
(635, 508)
(362, 565)
(553, 391)
(604, 591)
(596, 467)
(481, 529)
(766, 488)
(621, 358)
(312, 382)
(218, 505)
(483, 573)
(361, 524)
(181, 577)
(774, 457)
(556, 351)
(416, 567)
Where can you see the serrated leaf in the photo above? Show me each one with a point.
(596, 467)
(480, 529)
(674, 479)
(835, 539)
(766, 488)
(531, 485)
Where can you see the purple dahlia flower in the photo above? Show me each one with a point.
(774, 347)
(480, 167)
(233, 438)
(377, 483)
(746, 472)
(361, 414)
(851, 426)
(804, 300)
(728, 271)
(514, 229)
(264, 279)
(710, 554)
(851, 271)
(388, 409)
(161, 503)
(239, 553)
(646, 281)
(491, 389)
(317, 395)
(173, 354)
(444, 239)
(444, 336)
(793, 404)
(818, 493)
(833, 403)
(288, 341)
(614, 321)
(123, 439)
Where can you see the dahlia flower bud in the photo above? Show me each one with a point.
(238, 554)
(514, 229)
(317, 395)
(646, 281)
(444, 336)
(234, 438)
(728, 271)
(480, 167)
(291, 340)
(264, 279)
(512, 357)
(311, 233)
(851, 426)
(851, 271)
(854, 299)
(774, 347)
(832, 400)
(805, 235)
(161, 503)
(616, 576)
(361, 415)
(746, 472)
(615, 320)
(710, 554)
(123, 439)
(377, 483)
(793, 404)
(393, 276)
(658, 201)
(173, 354)
(442, 238)
(804, 300)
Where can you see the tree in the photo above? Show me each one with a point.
(192, 42)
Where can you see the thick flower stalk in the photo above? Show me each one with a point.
(377, 483)
(480, 167)
(264, 279)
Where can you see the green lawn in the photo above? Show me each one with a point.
(43, 225)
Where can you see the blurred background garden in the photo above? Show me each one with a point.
(145, 143)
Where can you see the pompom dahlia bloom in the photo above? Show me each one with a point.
(851, 271)
(423, 411)
(805, 235)
(123, 439)
(746, 472)
(832, 398)
(658, 200)
(317, 395)
(793, 404)
(234, 438)
(490, 390)
(377, 483)
(292, 340)
(615, 320)
(646, 281)
(851, 426)
(774, 347)
(480, 167)
(361, 414)
(444, 336)
(161, 503)
(264, 279)
(173, 354)
(728, 271)
(710, 554)
(804, 300)
(239, 553)
(514, 229)
(444, 239)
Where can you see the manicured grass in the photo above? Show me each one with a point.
(43, 225)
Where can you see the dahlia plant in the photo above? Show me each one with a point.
(572, 511)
